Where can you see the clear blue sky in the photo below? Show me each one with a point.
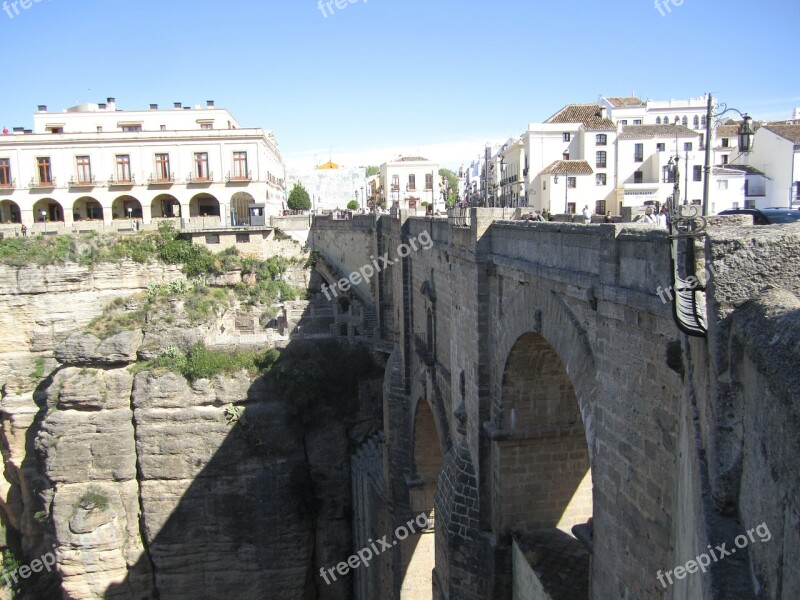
(384, 72)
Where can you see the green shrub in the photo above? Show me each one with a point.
(94, 498)
(12, 561)
(38, 371)
(205, 363)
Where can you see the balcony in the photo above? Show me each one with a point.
(35, 184)
(114, 182)
(10, 185)
(160, 179)
(246, 178)
(82, 183)
(193, 179)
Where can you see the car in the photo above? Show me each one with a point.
(766, 216)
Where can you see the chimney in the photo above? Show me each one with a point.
(603, 112)
(209, 103)
(42, 108)
(177, 105)
(154, 107)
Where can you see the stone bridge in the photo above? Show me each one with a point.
(544, 409)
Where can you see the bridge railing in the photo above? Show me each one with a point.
(459, 216)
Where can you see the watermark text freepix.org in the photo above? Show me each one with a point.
(46, 561)
(9, 5)
(369, 271)
(703, 561)
(663, 6)
(365, 555)
(340, 4)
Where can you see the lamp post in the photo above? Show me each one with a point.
(44, 220)
(566, 190)
(363, 200)
(746, 133)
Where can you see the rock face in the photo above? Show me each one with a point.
(145, 485)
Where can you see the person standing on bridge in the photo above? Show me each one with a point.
(587, 216)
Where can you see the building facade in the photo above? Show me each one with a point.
(93, 166)
(409, 181)
(331, 186)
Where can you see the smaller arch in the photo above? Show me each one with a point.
(126, 207)
(87, 208)
(240, 208)
(696, 122)
(204, 205)
(10, 212)
(666, 120)
(165, 206)
(48, 209)
(684, 121)
(658, 120)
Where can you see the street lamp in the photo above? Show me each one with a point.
(746, 134)
(44, 220)
(566, 190)
(363, 200)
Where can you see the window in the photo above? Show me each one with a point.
(395, 182)
(429, 181)
(667, 175)
(601, 139)
(412, 183)
(163, 128)
(600, 207)
(201, 165)
(5, 172)
(212, 238)
(242, 238)
(84, 169)
(666, 120)
(567, 137)
(600, 179)
(600, 159)
(638, 177)
(162, 167)
(637, 121)
(623, 122)
(638, 152)
(45, 170)
(696, 122)
(55, 129)
(658, 120)
(724, 158)
(703, 121)
(131, 128)
(661, 147)
(571, 208)
(735, 205)
(544, 184)
(240, 165)
(565, 156)
(572, 182)
(684, 121)
(206, 126)
(99, 129)
(697, 173)
(123, 168)
(722, 184)
(687, 146)
(725, 142)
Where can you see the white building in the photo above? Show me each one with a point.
(331, 186)
(93, 166)
(776, 156)
(570, 159)
(409, 181)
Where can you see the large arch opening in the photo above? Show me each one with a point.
(542, 469)
(165, 206)
(47, 209)
(419, 551)
(9, 212)
(204, 205)
(87, 208)
(126, 207)
(240, 208)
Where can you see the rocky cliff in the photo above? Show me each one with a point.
(145, 484)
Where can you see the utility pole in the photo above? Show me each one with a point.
(707, 165)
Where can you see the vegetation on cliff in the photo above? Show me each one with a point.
(205, 363)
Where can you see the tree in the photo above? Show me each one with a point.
(352, 205)
(373, 170)
(298, 198)
(452, 183)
